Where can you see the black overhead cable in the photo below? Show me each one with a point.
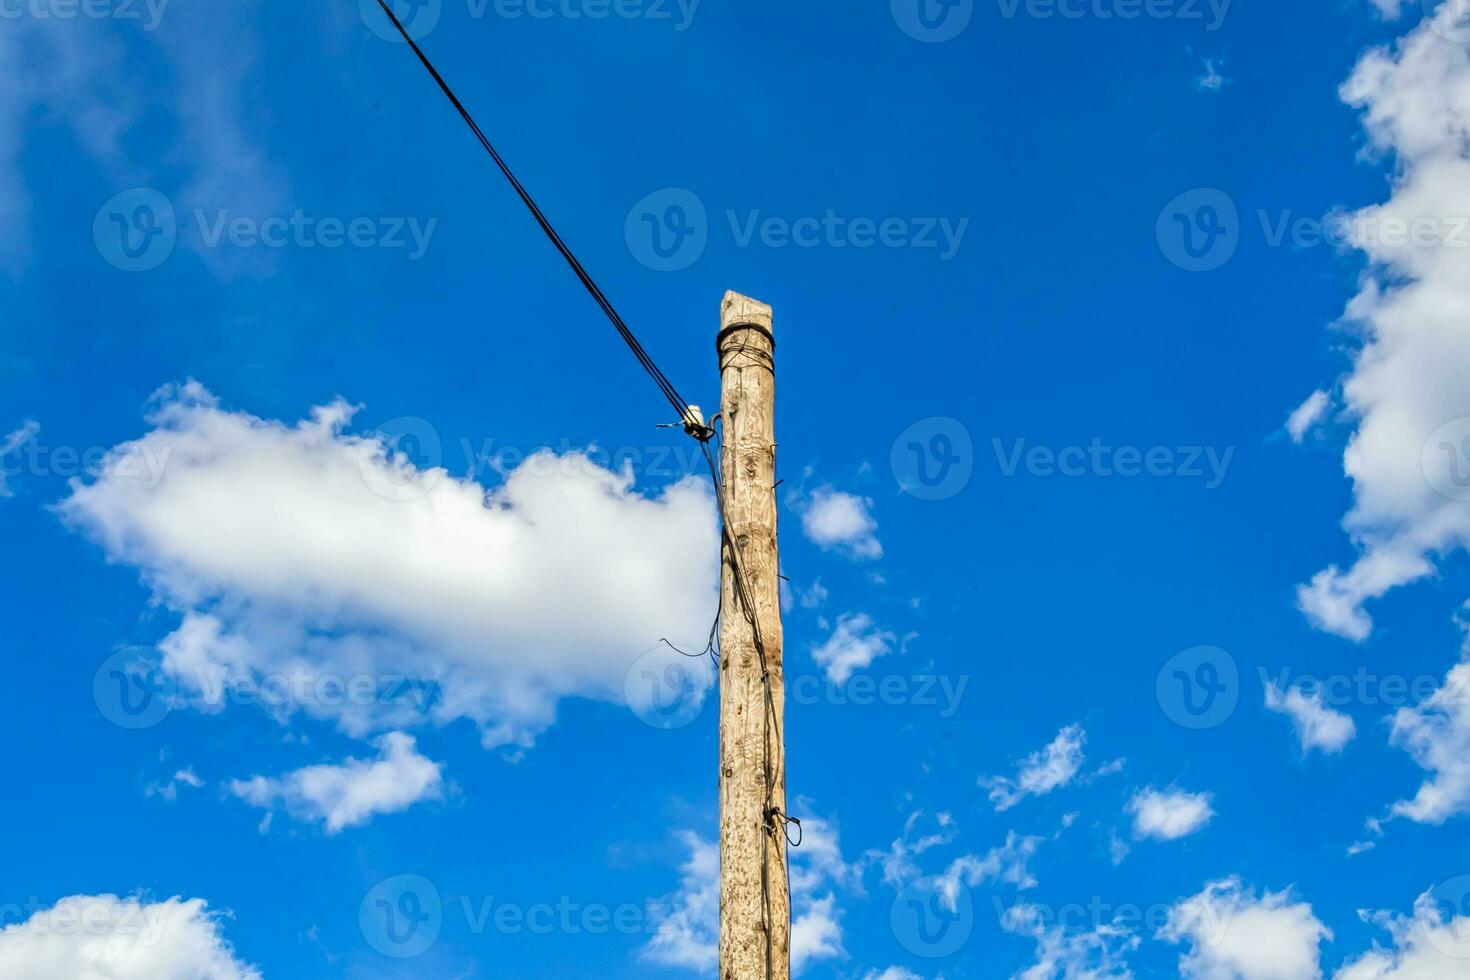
(681, 407)
(772, 817)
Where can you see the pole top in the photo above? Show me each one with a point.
(741, 312)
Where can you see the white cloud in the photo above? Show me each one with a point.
(1099, 953)
(170, 790)
(816, 933)
(302, 551)
(104, 937)
(855, 643)
(1007, 864)
(1168, 814)
(1407, 381)
(687, 933)
(1390, 9)
(892, 973)
(1317, 726)
(897, 862)
(10, 444)
(1307, 415)
(1436, 733)
(1235, 936)
(1210, 78)
(1050, 768)
(1425, 947)
(839, 521)
(351, 794)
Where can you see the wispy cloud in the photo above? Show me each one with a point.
(1052, 767)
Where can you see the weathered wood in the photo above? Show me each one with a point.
(753, 881)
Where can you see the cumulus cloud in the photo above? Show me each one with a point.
(1307, 415)
(855, 642)
(1049, 768)
(1436, 734)
(1169, 814)
(816, 933)
(687, 933)
(301, 551)
(1409, 455)
(1099, 953)
(892, 973)
(1425, 946)
(1317, 726)
(839, 521)
(350, 794)
(92, 937)
(9, 444)
(1233, 935)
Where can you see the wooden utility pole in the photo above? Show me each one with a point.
(755, 902)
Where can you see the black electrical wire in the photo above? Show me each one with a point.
(681, 407)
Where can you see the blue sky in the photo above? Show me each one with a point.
(1123, 431)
